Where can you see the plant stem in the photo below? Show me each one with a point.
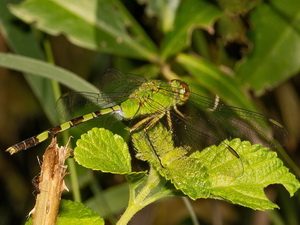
(74, 180)
(191, 210)
(143, 198)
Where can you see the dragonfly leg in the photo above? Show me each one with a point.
(137, 125)
(150, 120)
(169, 121)
(178, 112)
(169, 117)
(154, 120)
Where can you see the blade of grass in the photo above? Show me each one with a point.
(46, 70)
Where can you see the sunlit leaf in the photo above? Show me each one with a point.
(188, 175)
(260, 168)
(215, 172)
(100, 149)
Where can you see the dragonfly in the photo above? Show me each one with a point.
(192, 119)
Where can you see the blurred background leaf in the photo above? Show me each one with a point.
(275, 57)
(119, 34)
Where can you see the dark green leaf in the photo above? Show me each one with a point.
(90, 24)
(24, 43)
(165, 10)
(276, 45)
(191, 14)
(216, 81)
(43, 69)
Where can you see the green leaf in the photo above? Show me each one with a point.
(276, 45)
(160, 187)
(234, 7)
(109, 201)
(191, 14)
(187, 175)
(232, 29)
(261, 167)
(23, 42)
(43, 69)
(165, 10)
(145, 189)
(100, 149)
(75, 213)
(215, 172)
(90, 25)
(216, 81)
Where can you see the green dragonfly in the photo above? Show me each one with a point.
(193, 120)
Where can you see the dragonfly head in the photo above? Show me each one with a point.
(182, 90)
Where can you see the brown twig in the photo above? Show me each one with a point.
(51, 184)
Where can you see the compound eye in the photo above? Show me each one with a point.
(182, 88)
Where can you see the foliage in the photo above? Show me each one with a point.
(227, 48)
(211, 173)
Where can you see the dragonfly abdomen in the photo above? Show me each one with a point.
(33, 141)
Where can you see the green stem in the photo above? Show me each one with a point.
(191, 210)
(74, 180)
(143, 198)
(57, 94)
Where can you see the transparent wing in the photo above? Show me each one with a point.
(187, 134)
(74, 104)
(115, 88)
(206, 123)
(116, 82)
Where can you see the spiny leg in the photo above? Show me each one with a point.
(154, 120)
(178, 112)
(140, 123)
(169, 120)
(150, 120)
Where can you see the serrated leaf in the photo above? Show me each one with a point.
(187, 174)
(215, 172)
(191, 14)
(276, 45)
(100, 149)
(261, 167)
(89, 24)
